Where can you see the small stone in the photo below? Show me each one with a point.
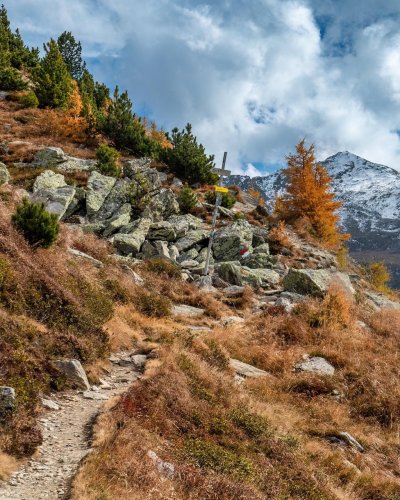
(184, 310)
(315, 365)
(139, 362)
(247, 371)
(49, 404)
(165, 468)
(231, 320)
(96, 396)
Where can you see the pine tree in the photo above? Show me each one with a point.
(71, 52)
(52, 79)
(188, 159)
(309, 195)
(187, 199)
(122, 127)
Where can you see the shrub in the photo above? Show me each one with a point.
(164, 266)
(152, 304)
(253, 425)
(107, 159)
(29, 100)
(188, 159)
(39, 227)
(378, 275)
(227, 199)
(139, 192)
(187, 199)
(10, 79)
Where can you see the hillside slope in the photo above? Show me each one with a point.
(371, 204)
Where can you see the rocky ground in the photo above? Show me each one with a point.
(66, 425)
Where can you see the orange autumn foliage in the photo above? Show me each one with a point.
(257, 196)
(75, 104)
(309, 196)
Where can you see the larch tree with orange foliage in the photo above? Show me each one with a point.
(309, 196)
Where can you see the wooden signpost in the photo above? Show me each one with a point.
(222, 172)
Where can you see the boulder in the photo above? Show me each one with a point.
(7, 400)
(162, 205)
(380, 301)
(191, 239)
(260, 277)
(4, 174)
(258, 260)
(315, 282)
(56, 201)
(98, 188)
(120, 219)
(162, 231)
(244, 370)
(118, 196)
(203, 256)
(233, 291)
(72, 164)
(50, 405)
(230, 241)
(189, 264)
(191, 254)
(49, 157)
(184, 223)
(141, 167)
(263, 249)
(315, 364)
(189, 311)
(230, 272)
(48, 180)
(129, 243)
(74, 372)
(89, 258)
(151, 250)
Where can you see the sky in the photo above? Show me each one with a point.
(253, 77)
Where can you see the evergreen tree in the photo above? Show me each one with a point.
(71, 52)
(52, 79)
(122, 127)
(107, 161)
(309, 195)
(187, 199)
(188, 159)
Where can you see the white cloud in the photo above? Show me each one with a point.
(252, 77)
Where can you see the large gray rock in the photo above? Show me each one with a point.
(243, 370)
(184, 223)
(118, 196)
(230, 241)
(48, 180)
(7, 400)
(141, 168)
(380, 301)
(49, 157)
(56, 201)
(263, 248)
(191, 254)
(151, 250)
(315, 365)
(162, 231)
(258, 260)
(4, 174)
(72, 164)
(315, 282)
(98, 188)
(260, 277)
(230, 272)
(129, 243)
(162, 205)
(74, 372)
(120, 219)
(191, 239)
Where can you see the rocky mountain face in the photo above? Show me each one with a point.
(370, 194)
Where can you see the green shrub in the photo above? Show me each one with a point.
(164, 266)
(213, 456)
(187, 199)
(39, 227)
(153, 305)
(254, 425)
(29, 100)
(227, 200)
(10, 79)
(139, 192)
(188, 159)
(107, 160)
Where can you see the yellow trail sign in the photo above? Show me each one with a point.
(220, 189)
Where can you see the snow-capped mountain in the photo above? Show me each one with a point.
(370, 194)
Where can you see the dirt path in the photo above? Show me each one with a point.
(66, 439)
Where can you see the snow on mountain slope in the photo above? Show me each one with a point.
(370, 194)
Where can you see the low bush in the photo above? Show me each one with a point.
(227, 199)
(29, 100)
(153, 304)
(107, 160)
(39, 227)
(164, 266)
(187, 200)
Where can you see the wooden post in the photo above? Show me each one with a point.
(218, 199)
